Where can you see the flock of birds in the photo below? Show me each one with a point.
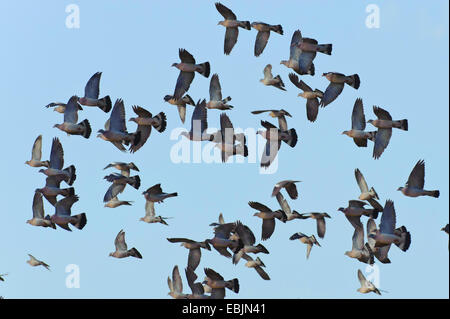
(232, 240)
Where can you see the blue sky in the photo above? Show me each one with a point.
(403, 68)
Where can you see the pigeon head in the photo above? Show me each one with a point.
(400, 188)
(167, 98)
(342, 209)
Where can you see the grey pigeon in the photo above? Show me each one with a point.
(247, 243)
(270, 80)
(145, 122)
(199, 124)
(307, 240)
(218, 284)
(268, 218)
(70, 125)
(262, 37)
(38, 213)
(231, 24)
(416, 181)
(290, 187)
(176, 285)
(366, 194)
(92, 92)
(337, 82)
(357, 132)
(35, 262)
(122, 250)
(116, 130)
(300, 61)
(156, 195)
(384, 124)
(56, 164)
(194, 250)
(187, 68)
(215, 96)
(312, 97)
(180, 104)
(62, 216)
(366, 286)
(36, 154)
(382, 238)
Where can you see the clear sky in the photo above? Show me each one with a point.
(403, 66)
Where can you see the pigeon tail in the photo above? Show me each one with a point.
(105, 104)
(245, 25)
(80, 221)
(292, 139)
(135, 253)
(205, 69)
(277, 28)
(136, 181)
(72, 176)
(162, 122)
(87, 128)
(325, 48)
(188, 100)
(353, 81)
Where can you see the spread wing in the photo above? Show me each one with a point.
(259, 206)
(381, 114)
(38, 206)
(388, 218)
(92, 88)
(63, 206)
(226, 128)
(185, 56)
(117, 118)
(183, 83)
(295, 51)
(199, 122)
(331, 93)
(150, 208)
(56, 154)
(417, 176)
(215, 91)
(36, 152)
(382, 139)
(225, 12)
(119, 242)
(270, 152)
(261, 41)
(361, 181)
(358, 118)
(231, 36)
(71, 110)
